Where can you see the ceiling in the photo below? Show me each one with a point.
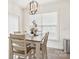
(23, 3)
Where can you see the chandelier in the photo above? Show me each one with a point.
(33, 7)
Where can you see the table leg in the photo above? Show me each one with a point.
(38, 50)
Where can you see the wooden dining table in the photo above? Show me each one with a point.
(37, 41)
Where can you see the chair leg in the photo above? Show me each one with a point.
(19, 57)
(34, 54)
(25, 57)
(29, 55)
(46, 53)
(42, 52)
(11, 56)
(10, 50)
(14, 56)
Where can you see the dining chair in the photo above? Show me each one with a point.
(43, 46)
(18, 47)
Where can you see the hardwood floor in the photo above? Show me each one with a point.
(56, 54)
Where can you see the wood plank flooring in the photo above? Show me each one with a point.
(56, 54)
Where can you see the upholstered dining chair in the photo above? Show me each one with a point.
(18, 47)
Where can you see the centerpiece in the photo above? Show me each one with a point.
(34, 29)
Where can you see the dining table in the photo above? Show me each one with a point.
(35, 40)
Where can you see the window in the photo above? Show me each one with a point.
(12, 23)
(47, 22)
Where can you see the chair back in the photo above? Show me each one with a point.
(45, 38)
(17, 42)
(18, 37)
(18, 33)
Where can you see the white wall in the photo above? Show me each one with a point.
(63, 18)
(13, 9)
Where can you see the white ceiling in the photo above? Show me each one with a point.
(23, 3)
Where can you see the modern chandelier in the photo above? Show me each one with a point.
(33, 7)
